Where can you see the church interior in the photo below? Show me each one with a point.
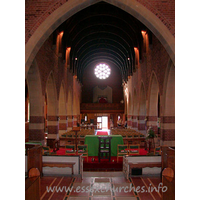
(99, 99)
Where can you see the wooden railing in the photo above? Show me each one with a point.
(168, 172)
(26, 131)
(102, 108)
(35, 158)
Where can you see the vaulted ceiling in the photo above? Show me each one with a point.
(102, 33)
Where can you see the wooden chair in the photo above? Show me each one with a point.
(134, 149)
(121, 150)
(83, 150)
(157, 150)
(104, 148)
(70, 149)
(46, 150)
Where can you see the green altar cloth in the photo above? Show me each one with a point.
(93, 144)
(34, 142)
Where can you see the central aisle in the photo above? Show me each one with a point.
(100, 185)
(102, 132)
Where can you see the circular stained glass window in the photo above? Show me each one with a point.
(102, 71)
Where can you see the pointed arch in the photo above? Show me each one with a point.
(129, 111)
(135, 109)
(169, 90)
(69, 102)
(75, 109)
(130, 105)
(62, 110)
(142, 110)
(70, 8)
(52, 107)
(168, 119)
(62, 101)
(51, 95)
(153, 97)
(142, 101)
(135, 103)
(36, 99)
(69, 108)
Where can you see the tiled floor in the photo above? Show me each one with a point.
(100, 186)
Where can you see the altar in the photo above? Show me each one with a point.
(93, 144)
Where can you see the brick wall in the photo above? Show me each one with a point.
(36, 11)
(156, 61)
(48, 61)
(164, 10)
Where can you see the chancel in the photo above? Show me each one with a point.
(99, 99)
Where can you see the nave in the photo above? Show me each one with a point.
(92, 66)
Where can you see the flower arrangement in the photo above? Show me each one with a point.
(150, 133)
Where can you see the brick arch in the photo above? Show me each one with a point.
(62, 100)
(169, 90)
(65, 10)
(52, 107)
(51, 95)
(135, 100)
(69, 108)
(142, 101)
(62, 111)
(130, 105)
(69, 101)
(152, 110)
(76, 111)
(36, 99)
(168, 118)
(142, 110)
(135, 109)
(129, 110)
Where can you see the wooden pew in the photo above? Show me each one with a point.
(34, 158)
(168, 172)
(59, 164)
(143, 165)
(130, 162)
(32, 185)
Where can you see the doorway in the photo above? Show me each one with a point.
(104, 122)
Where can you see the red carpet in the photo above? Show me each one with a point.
(102, 133)
(94, 165)
(61, 151)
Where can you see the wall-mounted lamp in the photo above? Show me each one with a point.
(61, 33)
(145, 41)
(136, 55)
(143, 32)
